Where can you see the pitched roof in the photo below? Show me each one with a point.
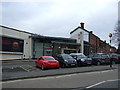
(14, 29)
(78, 28)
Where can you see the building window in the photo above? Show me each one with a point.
(12, 45)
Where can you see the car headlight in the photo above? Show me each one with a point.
(65, 60)
(82, 60)
(75, 60)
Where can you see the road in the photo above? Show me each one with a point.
(78, 80)
(106, 84)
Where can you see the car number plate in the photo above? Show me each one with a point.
(72, 64)
(88, 63)
(53, 63)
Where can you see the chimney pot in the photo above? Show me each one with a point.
(91, 32)
(82, 25)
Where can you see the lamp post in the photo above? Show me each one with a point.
(110, 35)
(111, 59)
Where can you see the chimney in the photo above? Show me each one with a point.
(82, 25)
(91, 32)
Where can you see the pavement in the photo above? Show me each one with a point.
(13, 71)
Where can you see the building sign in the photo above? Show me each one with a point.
(48, 50)
(79, 36)
(11, 44)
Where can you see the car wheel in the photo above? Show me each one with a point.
(113, 62)
(76, 65)
(42, 67)
(89, 64)
(57, 67)
(63, 65)
(36, 66)
(98, 63)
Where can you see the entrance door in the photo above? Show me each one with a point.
(38, 49)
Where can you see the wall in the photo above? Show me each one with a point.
(99, 46)
(80, 35)
(13, 33)
(94, 43)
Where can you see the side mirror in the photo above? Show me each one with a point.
(39, 58)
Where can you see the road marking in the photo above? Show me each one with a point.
(95, 84)
(106, 71)
(113, 80)
(65, 75)
(101, 83)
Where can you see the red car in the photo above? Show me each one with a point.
(47, 62)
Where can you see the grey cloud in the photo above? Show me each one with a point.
(59, 18)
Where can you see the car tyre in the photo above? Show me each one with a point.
(42, 67)
(37, 66)
(113, 62)
(63, 65)
(98, 63)
(57, 67)
(76, 65)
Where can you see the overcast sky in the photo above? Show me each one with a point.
(60, 17)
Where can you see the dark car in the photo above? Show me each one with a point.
(100, 58)
(81, 59)
(66, 60)
(115, 57)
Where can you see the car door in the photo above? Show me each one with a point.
(60, 59)
(95, 58)
(40, 61)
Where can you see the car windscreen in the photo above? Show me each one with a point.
(81, 56)
(67, 57)
(49, 58)
(105, 55)
(114, 55)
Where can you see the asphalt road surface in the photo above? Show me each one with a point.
(78, 80)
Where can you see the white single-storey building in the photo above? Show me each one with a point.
(16, 44)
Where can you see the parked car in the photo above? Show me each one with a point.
(100, 58)
(66, 60)
(47, 62)
(115, 57)
(81, 59)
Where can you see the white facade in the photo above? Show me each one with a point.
(80, 35)
(17, 34)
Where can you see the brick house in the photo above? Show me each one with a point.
(90, 43)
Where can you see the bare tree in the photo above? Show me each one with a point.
(116, 36)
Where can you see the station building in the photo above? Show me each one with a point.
(45, 45)
(18, 44)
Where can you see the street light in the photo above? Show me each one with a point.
(110, 35)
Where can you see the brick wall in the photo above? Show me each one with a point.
(99, 46)
(94, 43)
